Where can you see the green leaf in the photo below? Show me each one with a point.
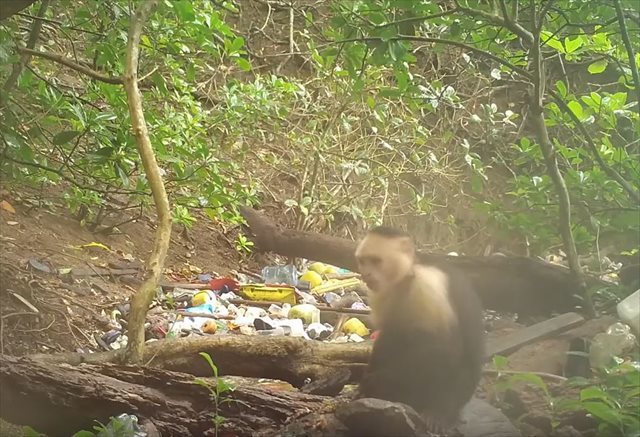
(184, 10)
(603, 412)
(236, 44)
(499, 362)
(562, 88)
(396, 50)
(27, 431)
(84, 433)
(64, 137)
(548, 39)
(598, 66)
(243, 63)
(371, 102)
(210, 361)
(576, 108)
(592, 393)
(572, 45)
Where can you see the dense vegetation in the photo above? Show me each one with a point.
(375, 109)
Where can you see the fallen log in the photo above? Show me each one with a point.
(527, 286)
(61, 400)
(294, 360)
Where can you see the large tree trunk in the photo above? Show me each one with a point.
(61, 400)
(517, 284)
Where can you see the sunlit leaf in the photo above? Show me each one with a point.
(598, 66)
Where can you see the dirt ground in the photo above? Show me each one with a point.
(69, 314)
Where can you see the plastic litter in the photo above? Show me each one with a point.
(124, 424)
(305, 312)
(629, 311)
(319, 331)
(287, 274)
(355, 326)
(617, 340)
(314, 279)
(280, 312)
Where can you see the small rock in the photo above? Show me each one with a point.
(566, 431)
(379, 418)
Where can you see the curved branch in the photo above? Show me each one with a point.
(505, 22)
(142, 299)
(115, 80)
(34, 35)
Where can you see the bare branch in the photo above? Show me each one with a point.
(115, 80)
(543, 14)
(506, 22)
(549, 153)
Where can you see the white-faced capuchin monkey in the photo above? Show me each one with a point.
(430, 350)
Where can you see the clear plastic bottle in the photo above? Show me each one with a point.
(280, 275)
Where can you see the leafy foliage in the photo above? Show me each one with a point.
(82, 138)
(611, 397)
(408, 111)
(584, 49)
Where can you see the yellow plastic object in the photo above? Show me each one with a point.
(313, 278)
(317, 267)
(261, 292)
(335, 284)
(330, 270)
(306, 312)
(355, 326)
(200, 298)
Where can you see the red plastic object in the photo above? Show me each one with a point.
(218, 283)
(374, 335)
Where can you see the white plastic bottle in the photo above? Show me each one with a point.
(629, 311)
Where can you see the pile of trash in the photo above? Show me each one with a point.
(279, 302)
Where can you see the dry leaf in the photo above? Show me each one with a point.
(7, 207)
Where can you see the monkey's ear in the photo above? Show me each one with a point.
(406, 245)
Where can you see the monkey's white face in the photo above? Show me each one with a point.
(383, 262)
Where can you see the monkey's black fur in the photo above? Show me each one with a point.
(435, 373)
